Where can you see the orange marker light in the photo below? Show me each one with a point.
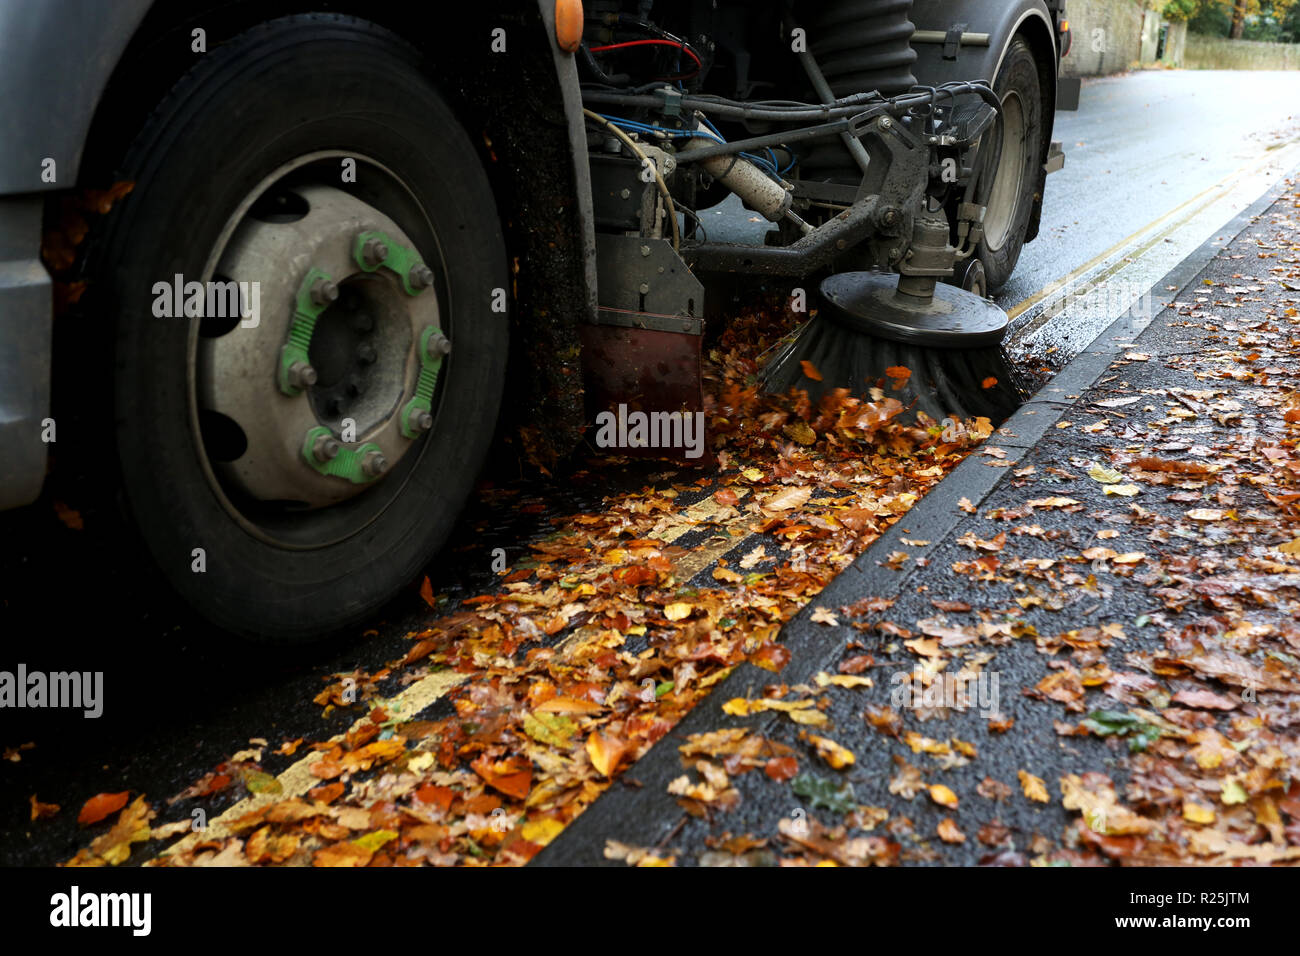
(568, 24)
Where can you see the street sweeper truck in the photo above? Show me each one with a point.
(273, 273)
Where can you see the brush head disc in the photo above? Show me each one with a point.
(870, 303)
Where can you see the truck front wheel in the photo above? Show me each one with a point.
(306, 288)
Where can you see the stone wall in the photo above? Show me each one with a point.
(1107, 36)
(1213, 53)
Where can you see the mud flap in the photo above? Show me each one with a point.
(643, 353)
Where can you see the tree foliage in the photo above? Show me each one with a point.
(1271, 20)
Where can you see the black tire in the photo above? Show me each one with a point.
(287, 89)
(1010, 197)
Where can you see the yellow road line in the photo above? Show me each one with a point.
(298, 779)
(1223, 185)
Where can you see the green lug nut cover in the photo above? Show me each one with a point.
(430, 366)
(348, 464)
(305, 313)
(402, 260)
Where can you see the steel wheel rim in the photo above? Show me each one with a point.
(323, 527)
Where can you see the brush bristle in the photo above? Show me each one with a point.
(943, 382)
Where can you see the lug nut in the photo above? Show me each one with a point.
(438, 345)
(355, 386)
(420, 277)
(421, 421)
(366, 353)
(374, 251)
(323, 291)
(301, 375)
(324, 448)
(375, 464)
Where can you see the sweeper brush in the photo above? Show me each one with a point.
(935, 348)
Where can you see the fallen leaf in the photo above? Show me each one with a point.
(102, 805)
(949, 832)
(1033, 787)
(605, 753)
(943, 796)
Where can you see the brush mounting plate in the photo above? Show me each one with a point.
(870, 303)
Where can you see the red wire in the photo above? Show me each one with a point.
(680, 46)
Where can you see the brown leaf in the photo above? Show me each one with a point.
(781, 769)
(42, 811)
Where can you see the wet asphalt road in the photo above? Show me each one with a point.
(180, 699)
(1139, 146)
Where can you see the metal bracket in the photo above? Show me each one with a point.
(952, 41)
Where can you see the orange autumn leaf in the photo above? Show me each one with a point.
(512, 777)
(569, 705)
(327, 793)
(989, 382)
(426, 592)
(102, 805)
(810, 370)
(342, 854)
(605, 753)
(899, 374)
(440, 797)
(726, 497)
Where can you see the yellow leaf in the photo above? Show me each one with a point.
(1033, 787)
(678, 610)
(542, 830)
(1128, 491)
(837, 756)
(943, 796)
(814, 718)
(1232, 792)
(1195, 813)
(824, 679)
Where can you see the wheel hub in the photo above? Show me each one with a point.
(331, 386)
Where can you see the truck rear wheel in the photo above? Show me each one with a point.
(295, 455)
(1010, 164)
